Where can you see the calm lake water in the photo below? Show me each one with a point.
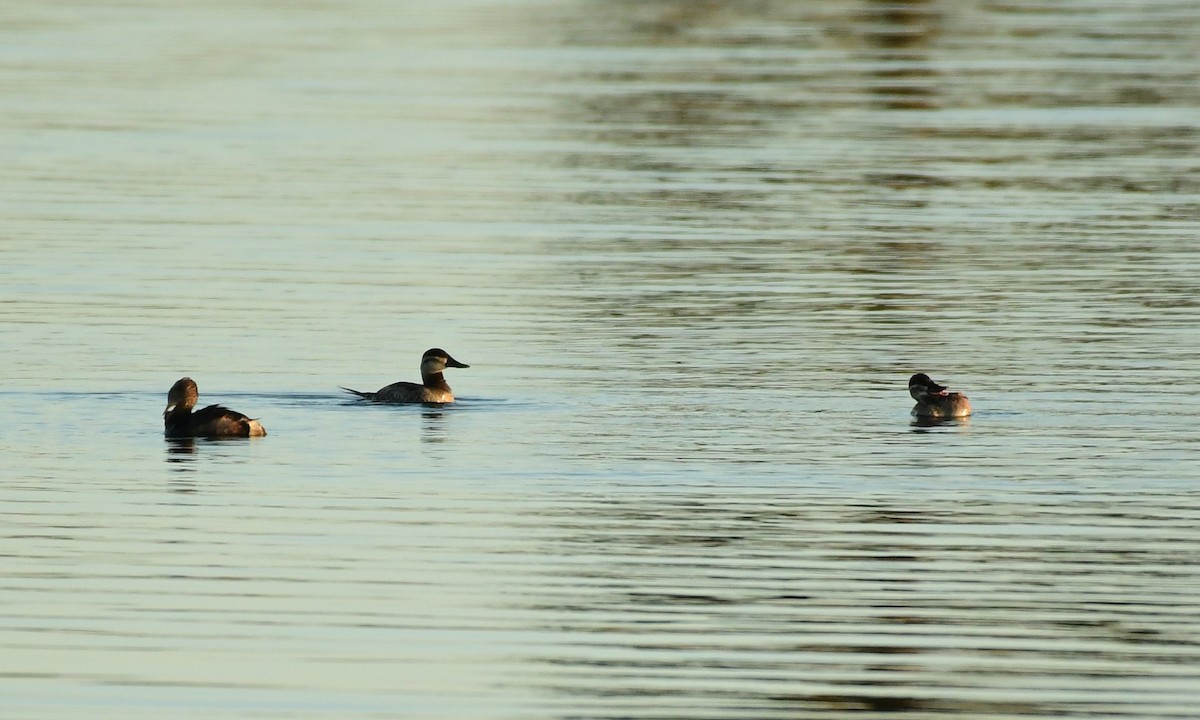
(692, 251)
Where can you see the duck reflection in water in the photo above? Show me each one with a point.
(433, 425)
(934, 402)
(181, 452)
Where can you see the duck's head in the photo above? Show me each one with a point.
(436, 360)
(921, 387)
(182, 396)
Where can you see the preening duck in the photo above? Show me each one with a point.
(213, 421)
(934, 402)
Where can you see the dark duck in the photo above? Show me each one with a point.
(213, 421)
(432, 388)
(934, 402)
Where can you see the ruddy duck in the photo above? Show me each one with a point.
(213, 421)
(433, 387)
(933, 402)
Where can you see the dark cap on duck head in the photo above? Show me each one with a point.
(925, 381)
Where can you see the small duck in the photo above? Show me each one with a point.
(213, 421)
(933, 402)
(433, 387)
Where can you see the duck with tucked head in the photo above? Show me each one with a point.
(433, 387)
(934, 402)
(213, 421)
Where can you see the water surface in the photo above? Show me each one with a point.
(692, 252)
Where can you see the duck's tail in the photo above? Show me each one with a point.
(363, 395)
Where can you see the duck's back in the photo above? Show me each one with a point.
(217, 421)
(952, 405)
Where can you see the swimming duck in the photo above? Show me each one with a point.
(433, 387)
(933, 402)
(213, 421)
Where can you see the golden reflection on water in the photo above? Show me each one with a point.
(806, 610)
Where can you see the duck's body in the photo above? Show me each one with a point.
(934, 402)
(213, 421)
(432, 389)
(408, 392)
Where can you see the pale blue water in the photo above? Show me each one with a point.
(692, 253)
